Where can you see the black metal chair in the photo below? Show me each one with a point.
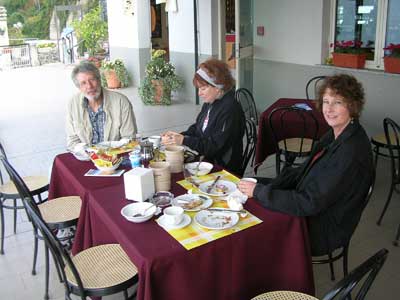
(363, 276)
(313, 86)
(97, 271)
(250, 145)
(246, 100)
(343, 252)
(392, 134)
(37, 186)
(59, 213)
(299, 142)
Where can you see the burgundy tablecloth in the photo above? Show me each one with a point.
(266, 144)
(273, 255)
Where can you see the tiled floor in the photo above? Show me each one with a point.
(17, 283)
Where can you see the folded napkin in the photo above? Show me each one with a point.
(236, 200)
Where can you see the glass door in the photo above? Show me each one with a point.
(244, 43)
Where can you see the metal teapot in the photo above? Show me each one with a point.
(146, 152)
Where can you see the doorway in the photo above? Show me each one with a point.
(236, 39)
(159, 27)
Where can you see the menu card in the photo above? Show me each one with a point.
(95, 172)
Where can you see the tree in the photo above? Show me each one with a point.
(92, 30)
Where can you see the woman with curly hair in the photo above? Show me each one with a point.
(219, 128)
(330, 188)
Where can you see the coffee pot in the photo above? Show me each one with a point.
(146, 152)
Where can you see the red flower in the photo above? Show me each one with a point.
(394, 50)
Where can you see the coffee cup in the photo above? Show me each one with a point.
(173, 215)
(156, 140)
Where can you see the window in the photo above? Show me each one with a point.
(376, 23)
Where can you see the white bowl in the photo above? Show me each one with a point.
(130, 210)
(204, 168)
(109, 169)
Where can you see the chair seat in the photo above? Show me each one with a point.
(284, 295)
(293, 145)
(34, 183)
(61, 209)
(102, 266)
(380, 140)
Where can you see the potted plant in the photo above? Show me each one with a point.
(114, 74)
(392, 60)
(349, 54)
(159, 81)
(91, 31)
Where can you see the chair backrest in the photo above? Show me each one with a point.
(312, 87)
(368, 270)
(246, 100)
(250, 144)
(59, 253)
(392, 134)
(19, 183)
(305, 125)
(2, 153)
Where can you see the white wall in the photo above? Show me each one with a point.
(181, 27)
(293, 31)
(129, 31)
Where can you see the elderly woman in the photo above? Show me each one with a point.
(219, 128)
(331, 186)
(96, 114)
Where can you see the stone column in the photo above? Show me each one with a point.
(3, 27)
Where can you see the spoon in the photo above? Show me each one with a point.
(143, 213)
(197, 169)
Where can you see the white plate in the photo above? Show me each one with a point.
(229, 185)
(185, 222)
(138, 207)
(180, 201)
(81, 156)
(204, 168)
(216, 219)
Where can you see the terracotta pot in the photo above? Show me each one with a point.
(347, 60)
(112, 79)
(159, 91)
(392, 64)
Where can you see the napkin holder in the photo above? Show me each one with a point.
(139, 184)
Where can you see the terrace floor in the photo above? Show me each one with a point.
(26, 122)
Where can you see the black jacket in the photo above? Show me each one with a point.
(222, 141)
(332, 191)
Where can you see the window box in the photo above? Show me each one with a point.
(347, 60)
(392, 64)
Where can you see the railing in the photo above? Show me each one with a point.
(15, 56)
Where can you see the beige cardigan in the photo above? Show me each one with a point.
(120, 119)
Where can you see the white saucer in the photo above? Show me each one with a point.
(185, 222)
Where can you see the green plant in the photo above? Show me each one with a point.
(92, 30)
(394, 50)
(158, 69)
(46, 45)
(119, 68)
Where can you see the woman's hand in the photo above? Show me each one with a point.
(247, 187)
(171, 138)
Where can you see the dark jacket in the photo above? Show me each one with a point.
(332, 191)
(222, 141)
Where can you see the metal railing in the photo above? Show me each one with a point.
(15, 56)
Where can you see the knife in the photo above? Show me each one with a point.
(213, 184)
(226, 209)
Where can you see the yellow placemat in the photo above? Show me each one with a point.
(194, 235)
(225, 175)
